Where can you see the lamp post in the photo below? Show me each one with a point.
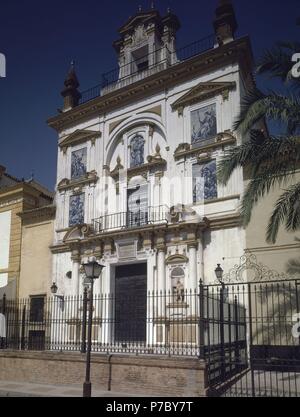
(92, 271)
(219, 274)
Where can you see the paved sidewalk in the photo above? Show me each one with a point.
(26, 389)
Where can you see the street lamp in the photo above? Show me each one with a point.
(92, 271)
(219, 273)
(54, 289)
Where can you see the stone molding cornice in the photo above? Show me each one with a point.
(89, 178)
(227, 221)
(77, 137)
(192, 244)
(88, 237)
(203, 91)
(238, 50)
(59, 248)
(222, 139)
(176, 259)
(273, 247)
(45, 212)
(23, 189)
(154, 162)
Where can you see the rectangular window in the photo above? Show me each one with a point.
(140, 59)
(137, 203)
(204, 181)
(204, 124)
(76, 210)
(37, 309)
(78, 163)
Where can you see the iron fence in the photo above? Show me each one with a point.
(159, 323)
(145, 66)
(248, 334)
(131, 219)
(260, 355)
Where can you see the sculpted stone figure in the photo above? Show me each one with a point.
(179, 291)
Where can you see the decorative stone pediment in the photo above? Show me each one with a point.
(176, 259)
(182, 147)
(89, 178)
(138, 20)
(79, 136)
(203, 91)
(202, 150)
(77, 233)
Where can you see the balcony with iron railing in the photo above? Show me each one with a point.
(146, 66)
(130, 220)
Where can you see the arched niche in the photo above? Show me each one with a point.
(150, 127)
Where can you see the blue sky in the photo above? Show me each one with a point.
(40, 38)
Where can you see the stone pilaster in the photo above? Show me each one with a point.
(76, 259)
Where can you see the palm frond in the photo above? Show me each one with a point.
(272, 154)
(287, 210)
(293, 267)
(258, 188)
(256, 106)
(275, 62)
(250, 110)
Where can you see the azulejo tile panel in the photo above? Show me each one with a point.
(204, 124)
(76, 210)
(78, 163)
(205, 181)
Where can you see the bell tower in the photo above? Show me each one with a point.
(146, 40)
(225, 23)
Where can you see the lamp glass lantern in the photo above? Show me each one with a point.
(92, 270)
(219, 273)
(54, 288)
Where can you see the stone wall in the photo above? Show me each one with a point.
(36, 260)
(146, 375)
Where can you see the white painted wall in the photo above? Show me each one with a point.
(3, 280)
(171, 129)
(5, 226)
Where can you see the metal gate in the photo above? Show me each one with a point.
(251, 334)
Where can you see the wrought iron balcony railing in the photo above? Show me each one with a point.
(146, 66)
(130, 220)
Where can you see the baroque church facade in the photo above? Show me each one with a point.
(137, 185)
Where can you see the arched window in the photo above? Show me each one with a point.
(137, 145)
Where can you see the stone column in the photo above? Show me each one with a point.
(161, 273)
(193, 281)
(75, 270)
(192, 278)
(97, 253)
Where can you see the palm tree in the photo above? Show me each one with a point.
(270, 160)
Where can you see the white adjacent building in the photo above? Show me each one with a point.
(137, 159)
